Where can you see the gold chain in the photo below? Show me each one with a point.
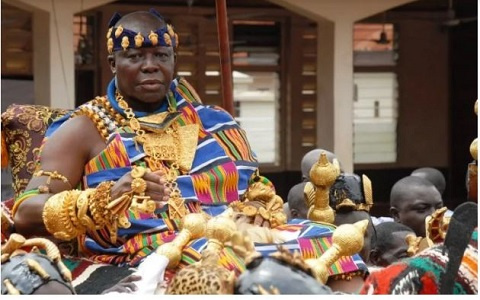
(176, 204)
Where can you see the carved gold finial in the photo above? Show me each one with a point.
(194, 226)
(347, 239)
(322, 176)
(219, 231)
(215, 278)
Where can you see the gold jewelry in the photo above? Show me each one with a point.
(139, 185)
(194, 227)
(347, 239)
(165, 145)
(71, 213)
(56, 215)
(316, 192)
(52, 175)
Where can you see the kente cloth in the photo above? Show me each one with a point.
(221, 168)
(421, 273)
(310, 238)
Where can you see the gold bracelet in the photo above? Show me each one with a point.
(56, 216)
(98, 202)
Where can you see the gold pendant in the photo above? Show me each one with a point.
(188, 146)
(176, 207)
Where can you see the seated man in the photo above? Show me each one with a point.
(391, 243)
(149, 143)
(121, 172)
(412, 199)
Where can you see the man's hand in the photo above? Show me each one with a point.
(156, 188)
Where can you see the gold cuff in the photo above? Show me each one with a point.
(56, 215)
(71, 213)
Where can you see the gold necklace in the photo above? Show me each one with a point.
(160, 146)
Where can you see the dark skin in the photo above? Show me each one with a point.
(397, 251)
(414, 205)
(143, 77)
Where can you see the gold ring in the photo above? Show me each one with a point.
(139, 185)
(138, 171)
(143, 204)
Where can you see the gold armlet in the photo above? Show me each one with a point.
(52, 175)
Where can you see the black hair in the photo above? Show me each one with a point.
(295, 197)
(384, 236)
(433, 175)
(407, 185)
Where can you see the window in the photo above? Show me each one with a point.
(256, 97)
(375, 118)
(256, 82)
(376, 94)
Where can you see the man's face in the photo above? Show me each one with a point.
(398, 250)
(144, 75)
(413, 210)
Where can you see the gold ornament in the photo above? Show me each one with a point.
(52, 175)
(261, 201)
(153, 38)
(139, 40)
(110, 45)
(436, 226)
(322, 176)
(170, 30)
(167, 39)
(109, 32)
(139, 185)
(125, 43)
(193, 227)
(167, 145)
(217, 279)
(413, 243)
(347, 239)
(56, 216)
(118, 31)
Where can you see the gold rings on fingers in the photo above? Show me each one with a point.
(138, 171)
